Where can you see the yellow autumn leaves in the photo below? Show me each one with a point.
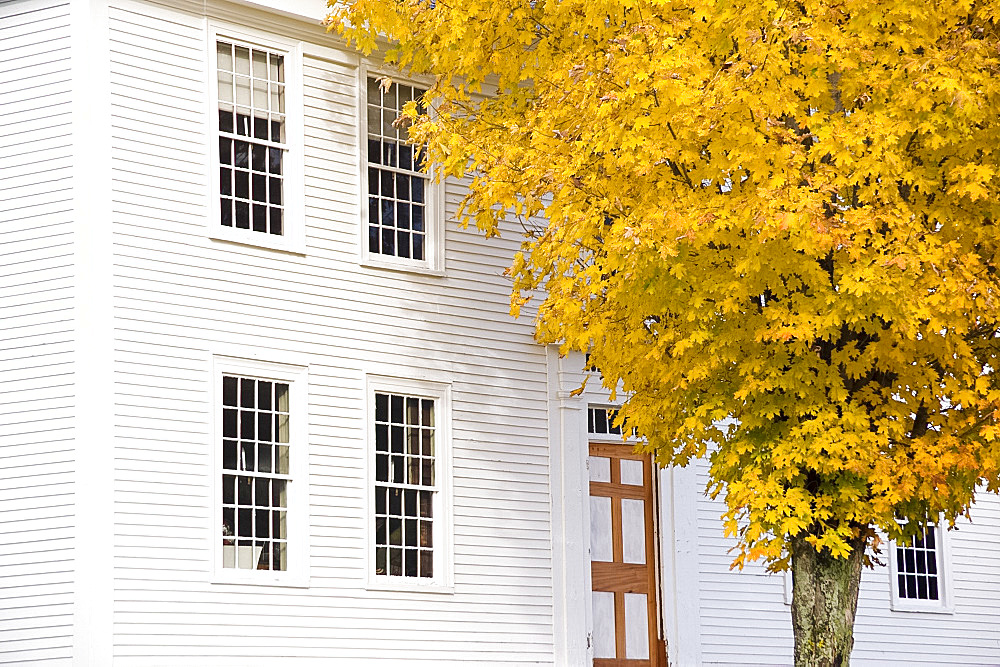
(772, 224)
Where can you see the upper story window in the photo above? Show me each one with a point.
(400, 226)
(257, 123)
(261, 510)
(410, 508)
(252, 143)
(918, 571)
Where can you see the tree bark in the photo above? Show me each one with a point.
(824, 600)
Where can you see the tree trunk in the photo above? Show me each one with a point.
(824, 600)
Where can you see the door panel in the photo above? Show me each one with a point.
(623, 568)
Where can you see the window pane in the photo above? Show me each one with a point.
(274, 187)
(264, 457)
(229, 454)
(229, 490)
(418, 190)
(426, 534)
(417, 215)
(242, 86)
(426, 563)
(242, 60)
(264, 391)
(242, 215)
(418, 246)
(244, 490)
(276, 223)
(244, 522)
(225, 56)
(226, 89)
(259, 218)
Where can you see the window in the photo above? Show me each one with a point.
(261, 475)
(917, 569)
(400, 212)
(252, 144)
(255, 477)
(409, 513)
(257, 126)
(600, 421)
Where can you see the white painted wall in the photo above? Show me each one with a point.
(179, 296)
(36, 334)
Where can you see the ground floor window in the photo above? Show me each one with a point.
(255, 473)
(261, 486)
(918, 571)
(409, 484)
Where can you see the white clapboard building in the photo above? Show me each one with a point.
(261, 405)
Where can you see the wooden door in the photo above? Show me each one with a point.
(623, 559)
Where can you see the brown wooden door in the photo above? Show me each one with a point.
(623, 559)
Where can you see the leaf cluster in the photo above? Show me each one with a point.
(771, 224)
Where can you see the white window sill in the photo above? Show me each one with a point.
(257, 240)
(402, 267)
(918, 607)
(395, 586)
(259, 578)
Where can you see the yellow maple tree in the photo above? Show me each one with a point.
(773, 225)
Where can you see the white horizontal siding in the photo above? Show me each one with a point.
(36, 335)
(744, 619)
(178, 294)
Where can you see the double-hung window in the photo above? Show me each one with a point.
(400, 227)
(257, 120)
(409, 485)
(261, 452)
(918, 571)
(252, 139)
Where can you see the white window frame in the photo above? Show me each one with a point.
(944, 604)
(443, 527)
(292, 238)
(297, 377)
(434, 217)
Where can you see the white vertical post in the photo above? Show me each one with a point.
(94, 349)
(570, 510)
(679, 576)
